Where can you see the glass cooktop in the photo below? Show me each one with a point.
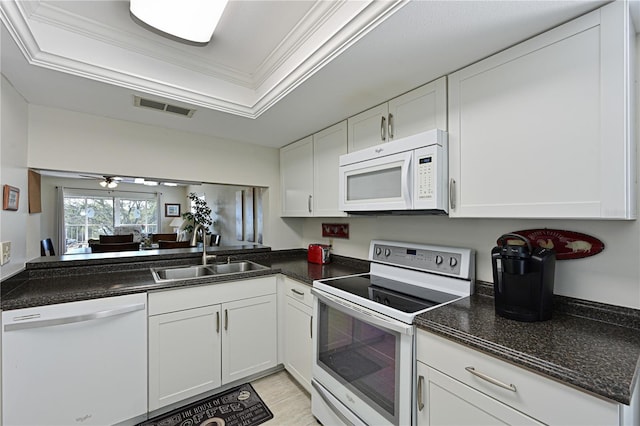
(395, 294)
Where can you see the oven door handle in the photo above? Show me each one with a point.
(362, 314)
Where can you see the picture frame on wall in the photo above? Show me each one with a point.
(11, 197)
(171, 210)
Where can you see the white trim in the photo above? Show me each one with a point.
(288, 66)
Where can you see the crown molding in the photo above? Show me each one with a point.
(313, 43)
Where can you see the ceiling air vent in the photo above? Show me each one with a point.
(161, 106)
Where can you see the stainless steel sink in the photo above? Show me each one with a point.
(236, 267)
(178, 273)
(181, 273)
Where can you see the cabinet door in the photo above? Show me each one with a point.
(184, 354)
(419, 110)
(542, 129)
(249, 339)
(296, 178)
(368, 128)
(328, 146)
(298, 344)
(449, 402)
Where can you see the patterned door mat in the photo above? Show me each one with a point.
(240, 406)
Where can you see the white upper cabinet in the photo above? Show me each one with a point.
(309, 173)
(328, 145)
(419, 110)
(544, 129)
(296, 178)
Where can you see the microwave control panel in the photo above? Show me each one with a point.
(429, 175)
(425, 177)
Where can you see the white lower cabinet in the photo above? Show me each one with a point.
(184, 355)
(203, 337)
(445, 401)
(461, 386)
(249, 342)
(298, 332)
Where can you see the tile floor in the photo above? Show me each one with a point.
(289, 403)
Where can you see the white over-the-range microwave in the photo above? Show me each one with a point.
(404, 176)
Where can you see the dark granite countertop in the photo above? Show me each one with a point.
(68, 280)
(592, 346)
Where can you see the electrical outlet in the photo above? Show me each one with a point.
(5, 252)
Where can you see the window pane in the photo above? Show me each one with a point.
(86, 218)
(138, 212)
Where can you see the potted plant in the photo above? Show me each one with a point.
(200, 214)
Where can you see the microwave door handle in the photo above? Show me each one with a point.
(406, 180)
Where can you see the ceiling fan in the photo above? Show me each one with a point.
(106, 181)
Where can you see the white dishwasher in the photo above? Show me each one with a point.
(77, 363)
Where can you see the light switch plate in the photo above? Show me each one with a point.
(5, 252)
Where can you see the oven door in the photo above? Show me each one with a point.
(363, 361)
(378, 184)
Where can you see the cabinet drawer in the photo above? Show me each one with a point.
(533, 394)
(203, 295)
(298, 291)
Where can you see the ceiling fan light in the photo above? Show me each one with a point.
(190, 20)
(104, 183)
(112, 184)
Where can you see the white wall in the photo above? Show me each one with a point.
(13, 161)
(612, 276)
(222, 200)
(72, 141)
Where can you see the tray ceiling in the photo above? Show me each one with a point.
(275, 71)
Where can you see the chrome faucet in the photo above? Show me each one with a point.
(194, 239)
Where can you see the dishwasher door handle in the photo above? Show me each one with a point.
(75, 318)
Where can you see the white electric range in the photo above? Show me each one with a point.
(364, 337)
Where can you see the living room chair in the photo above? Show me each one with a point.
(173, 244)
(107, 239)
(164, 237)
(111, 247)
(46, 248)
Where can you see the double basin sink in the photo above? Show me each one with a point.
(179, 273)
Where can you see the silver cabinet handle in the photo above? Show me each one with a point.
(217, 322)
(390, 126)
(75, 318)
(309, 203)
(298, 292)
(226, 319)
(311, 327)
(452, 194)
(383, 129)
(490, 379)
(420, 395)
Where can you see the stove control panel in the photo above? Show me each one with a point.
(453, 261)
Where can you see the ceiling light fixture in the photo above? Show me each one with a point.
(191, 21)
(108, 182)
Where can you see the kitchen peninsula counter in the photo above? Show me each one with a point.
(592, 346)
(47, 281)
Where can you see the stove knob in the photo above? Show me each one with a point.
(387, 302)
(387, 252)
(377, 299)
(378, 251)
(438, 260)
(453, 262)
